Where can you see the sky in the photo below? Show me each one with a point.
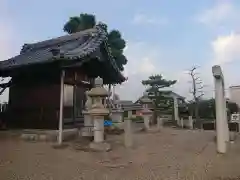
(165, 37)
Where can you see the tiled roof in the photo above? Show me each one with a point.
(75, 46)
(169, 94)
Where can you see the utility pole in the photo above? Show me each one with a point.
(196, 91)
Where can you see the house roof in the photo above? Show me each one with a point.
(172, 94)
(126, 105)
(71, 47)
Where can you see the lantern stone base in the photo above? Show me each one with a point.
(100, 147)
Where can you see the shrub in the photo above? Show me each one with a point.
(137, 119)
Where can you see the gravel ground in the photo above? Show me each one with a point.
(170, 154)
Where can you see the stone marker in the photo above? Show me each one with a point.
(128, 141)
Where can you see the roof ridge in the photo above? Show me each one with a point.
(56, 40)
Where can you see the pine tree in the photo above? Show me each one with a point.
(161, 100)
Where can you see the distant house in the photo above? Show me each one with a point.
(170, 94)
(133, 109)
(130, 108)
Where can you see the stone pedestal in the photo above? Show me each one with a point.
(146, 112)
(87, 130)
(98, 129)
(190, 122)
(128, 141)
(117, 115)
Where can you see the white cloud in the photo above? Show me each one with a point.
(142, 19)
(144, 60)
(226, 48)
(141, 64)
(6, 32)
(219, 14)
(6, 39)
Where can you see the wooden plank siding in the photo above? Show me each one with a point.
(36, 106)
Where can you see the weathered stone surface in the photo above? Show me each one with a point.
(102, 147)
(42, 137)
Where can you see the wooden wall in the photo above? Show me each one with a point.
(35, 105)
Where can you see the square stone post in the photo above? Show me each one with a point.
(159, 123)
(146, 112)
(128, 141)
(190, 121)
(176, 113)
(146, 119)
(181, 121)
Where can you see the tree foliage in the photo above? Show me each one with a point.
(115, 40)
(207, 108)
(160, 98)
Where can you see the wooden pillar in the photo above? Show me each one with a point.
(74, 99)
(61, 107)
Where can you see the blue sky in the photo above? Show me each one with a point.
(164, 36)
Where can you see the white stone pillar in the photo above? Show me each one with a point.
(159, 123)
(128, 141)
(176, 113)
(98, 129)
(221, 127)
(190, 121)
(221, 132)
(181, 120)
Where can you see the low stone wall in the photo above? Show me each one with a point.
(48, 135)
(211, 126)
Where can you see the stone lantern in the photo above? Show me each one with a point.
(146, 112)
(88, 119)
(98, 111)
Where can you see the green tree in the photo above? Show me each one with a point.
(115, 40)
(160, 100)
(207, 108)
